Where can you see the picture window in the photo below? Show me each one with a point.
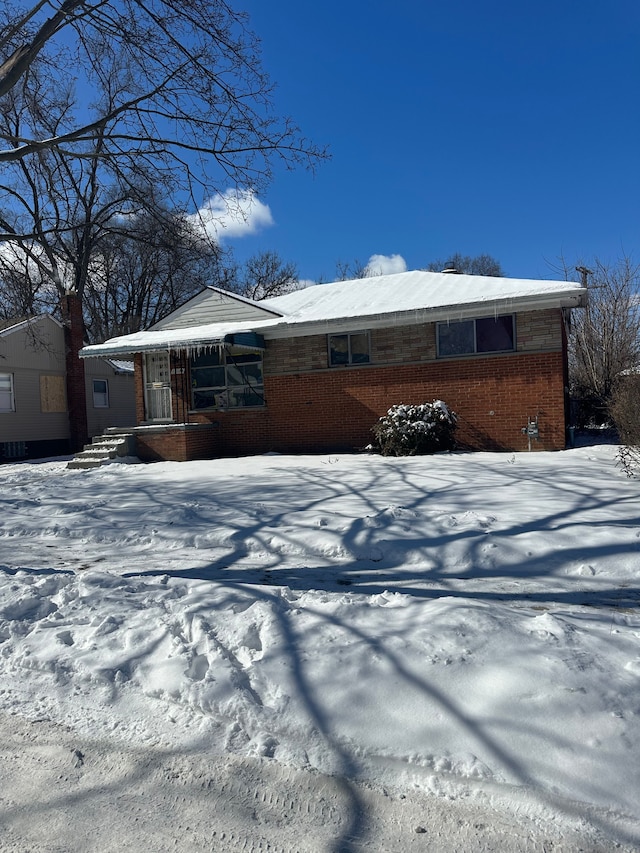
(226, 380)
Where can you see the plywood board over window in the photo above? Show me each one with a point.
(53, 397)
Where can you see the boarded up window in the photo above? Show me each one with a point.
(53, 397)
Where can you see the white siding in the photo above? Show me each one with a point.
(121, 411)
(211, 306)
(28, 353)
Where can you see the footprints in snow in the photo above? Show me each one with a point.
(65, 637)
(239, 643)
(198, 667)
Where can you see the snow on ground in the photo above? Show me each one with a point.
(321, 653)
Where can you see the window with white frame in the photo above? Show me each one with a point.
(100, 394)
(226, 379)
(7, 398)
(484, 335)
(349, 348)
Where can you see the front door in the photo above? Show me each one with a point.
(157, 386)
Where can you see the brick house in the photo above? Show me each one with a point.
(313, 370)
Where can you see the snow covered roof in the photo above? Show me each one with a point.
(15, 326)
(121, 366)
(186, 337)
(420, 296)
(379, 301)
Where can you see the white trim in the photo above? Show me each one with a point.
(99, 395)
(12, 394)
(156, 388)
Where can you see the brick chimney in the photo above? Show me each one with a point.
(71, 305)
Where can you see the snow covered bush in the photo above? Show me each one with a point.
(410, 430)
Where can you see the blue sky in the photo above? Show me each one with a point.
(471, 126)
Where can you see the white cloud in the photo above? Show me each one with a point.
(386, 264)
(234, 213)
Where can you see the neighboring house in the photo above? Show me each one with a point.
(313, 370)
(34, 416)
(110, 389)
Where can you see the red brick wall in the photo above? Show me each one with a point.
(332, 410)
(139, 384)
(312, 408)
(177, 443)
(492, 396)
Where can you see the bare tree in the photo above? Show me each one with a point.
(351, 270)
(265, 275)
(58, 211)
(624, 408)
(261, 276)
(143, 273)
(604, 340)
(195, 72)
(478, 265)
(177, 97)
(173, 97)
(22, 290)
(189, 85)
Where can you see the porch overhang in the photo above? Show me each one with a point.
(192, 340)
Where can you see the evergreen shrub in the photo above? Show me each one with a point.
(408, 430)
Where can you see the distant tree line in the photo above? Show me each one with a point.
(467, 265)
(138, 277)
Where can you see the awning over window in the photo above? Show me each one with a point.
(246, 340)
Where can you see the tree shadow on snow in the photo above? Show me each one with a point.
(385, 546)
(368, 563)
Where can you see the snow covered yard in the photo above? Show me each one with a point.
(321, 653)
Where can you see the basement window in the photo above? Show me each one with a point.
(7, 399)
(350, 348)
(13, 449)
(226, 380)
(484, 335)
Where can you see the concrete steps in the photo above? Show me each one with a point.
(103, 448)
